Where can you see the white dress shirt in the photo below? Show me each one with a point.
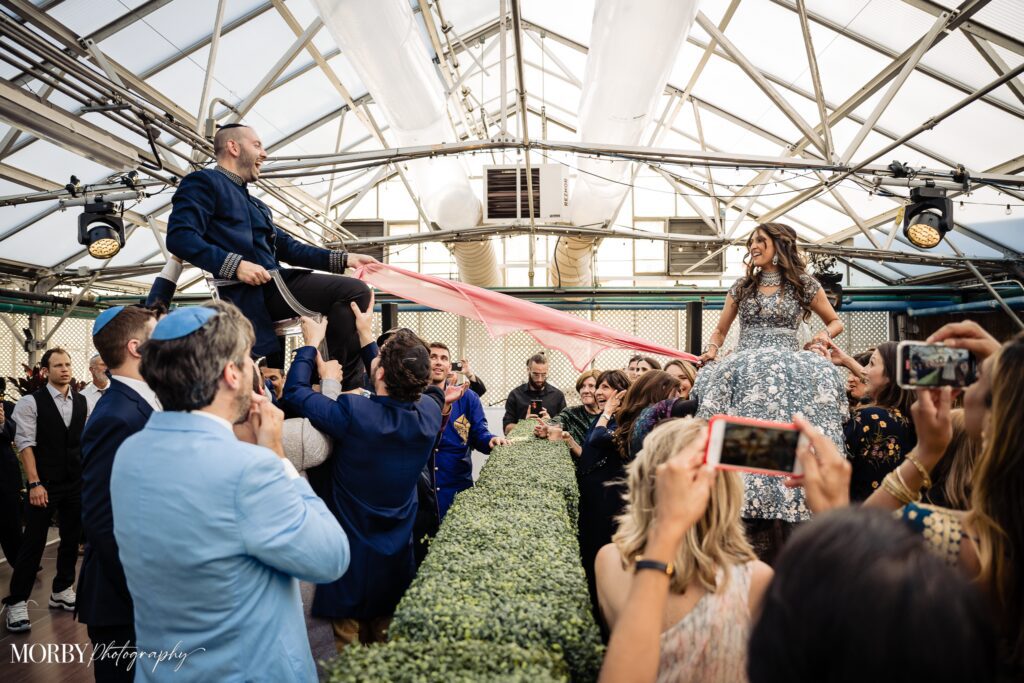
(92, 395)
(140, 388)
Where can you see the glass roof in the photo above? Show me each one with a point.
(166, 45)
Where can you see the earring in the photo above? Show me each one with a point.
(775, 260)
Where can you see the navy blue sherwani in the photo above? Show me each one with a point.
(216, 224)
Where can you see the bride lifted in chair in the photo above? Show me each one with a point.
(218, 226)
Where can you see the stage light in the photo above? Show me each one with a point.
(100, 231)
(928, 217)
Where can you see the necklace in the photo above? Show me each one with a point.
(770, 279)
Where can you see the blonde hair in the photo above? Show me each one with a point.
(715, 541)
(995, 498)
(955, 470)
(688, 370)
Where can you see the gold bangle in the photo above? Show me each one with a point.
(890, 486)
(913, 495)
(916, 462)
(894, 486)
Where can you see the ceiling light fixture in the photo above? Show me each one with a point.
(100, 231)
(928, 217)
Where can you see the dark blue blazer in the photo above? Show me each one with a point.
(215, 223)
(380, 447)
(103, 597)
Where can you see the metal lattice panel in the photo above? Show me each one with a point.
(11, 354)
(501, 362)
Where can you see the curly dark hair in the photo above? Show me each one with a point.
(405, 360)
(791, 263)
(648, 389)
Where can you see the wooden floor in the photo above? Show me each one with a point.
(59, 627)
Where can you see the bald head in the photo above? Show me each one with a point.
(238, 149)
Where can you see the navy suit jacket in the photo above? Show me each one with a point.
(215, 224)
(103, 597)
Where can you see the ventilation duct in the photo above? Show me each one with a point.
(633, 46)
(380, 39)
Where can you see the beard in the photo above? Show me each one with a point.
(243, 399)
(247, 164)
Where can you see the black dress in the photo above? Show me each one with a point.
(602, 484)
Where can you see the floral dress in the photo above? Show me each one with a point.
(877, 439)
(769, 377)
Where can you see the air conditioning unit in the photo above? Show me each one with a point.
(364, 229)
(682, 256)
(505, 196)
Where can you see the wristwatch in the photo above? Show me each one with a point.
(32, 484)
(667, 569)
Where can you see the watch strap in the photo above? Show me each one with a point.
(667, 569)
(32, 484)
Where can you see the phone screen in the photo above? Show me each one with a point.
(935, 365)
(535, 407)
(759, 447)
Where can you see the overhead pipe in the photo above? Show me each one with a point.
(989, 305)
(380, 39)
(633, 46)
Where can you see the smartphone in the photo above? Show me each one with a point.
(739, 443)
(456, 366)
(535, 407)
(933, 365)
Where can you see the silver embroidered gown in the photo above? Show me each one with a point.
(769, 377)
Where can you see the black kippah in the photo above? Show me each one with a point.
(229, 126)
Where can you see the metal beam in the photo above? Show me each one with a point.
(27, 112)
(268, 80)
(997, 63)
(980, 30)
(205, 41)
(812, 64)
(70, 42)
(920, 48)
(892, 54)
(755, 75)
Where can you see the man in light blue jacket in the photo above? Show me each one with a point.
(214, 533)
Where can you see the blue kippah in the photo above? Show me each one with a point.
(182, 322)
(105, 317)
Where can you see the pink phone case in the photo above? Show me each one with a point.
(789, 426)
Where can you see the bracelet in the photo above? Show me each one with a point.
(895, 489)
(916, 462)
(717, 347)
(668, 570)
(607, 416)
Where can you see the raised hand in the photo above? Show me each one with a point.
(364, 321)
(966, 335)
(313, 331)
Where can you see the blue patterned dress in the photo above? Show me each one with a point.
(769, 377)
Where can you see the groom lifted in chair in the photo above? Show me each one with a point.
(218, 226)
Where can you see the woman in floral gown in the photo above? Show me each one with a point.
(768, 376)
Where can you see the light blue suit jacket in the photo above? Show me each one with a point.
(212, 535)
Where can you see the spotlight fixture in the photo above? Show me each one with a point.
(100, 231)
(826, 275)
(928, 217)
